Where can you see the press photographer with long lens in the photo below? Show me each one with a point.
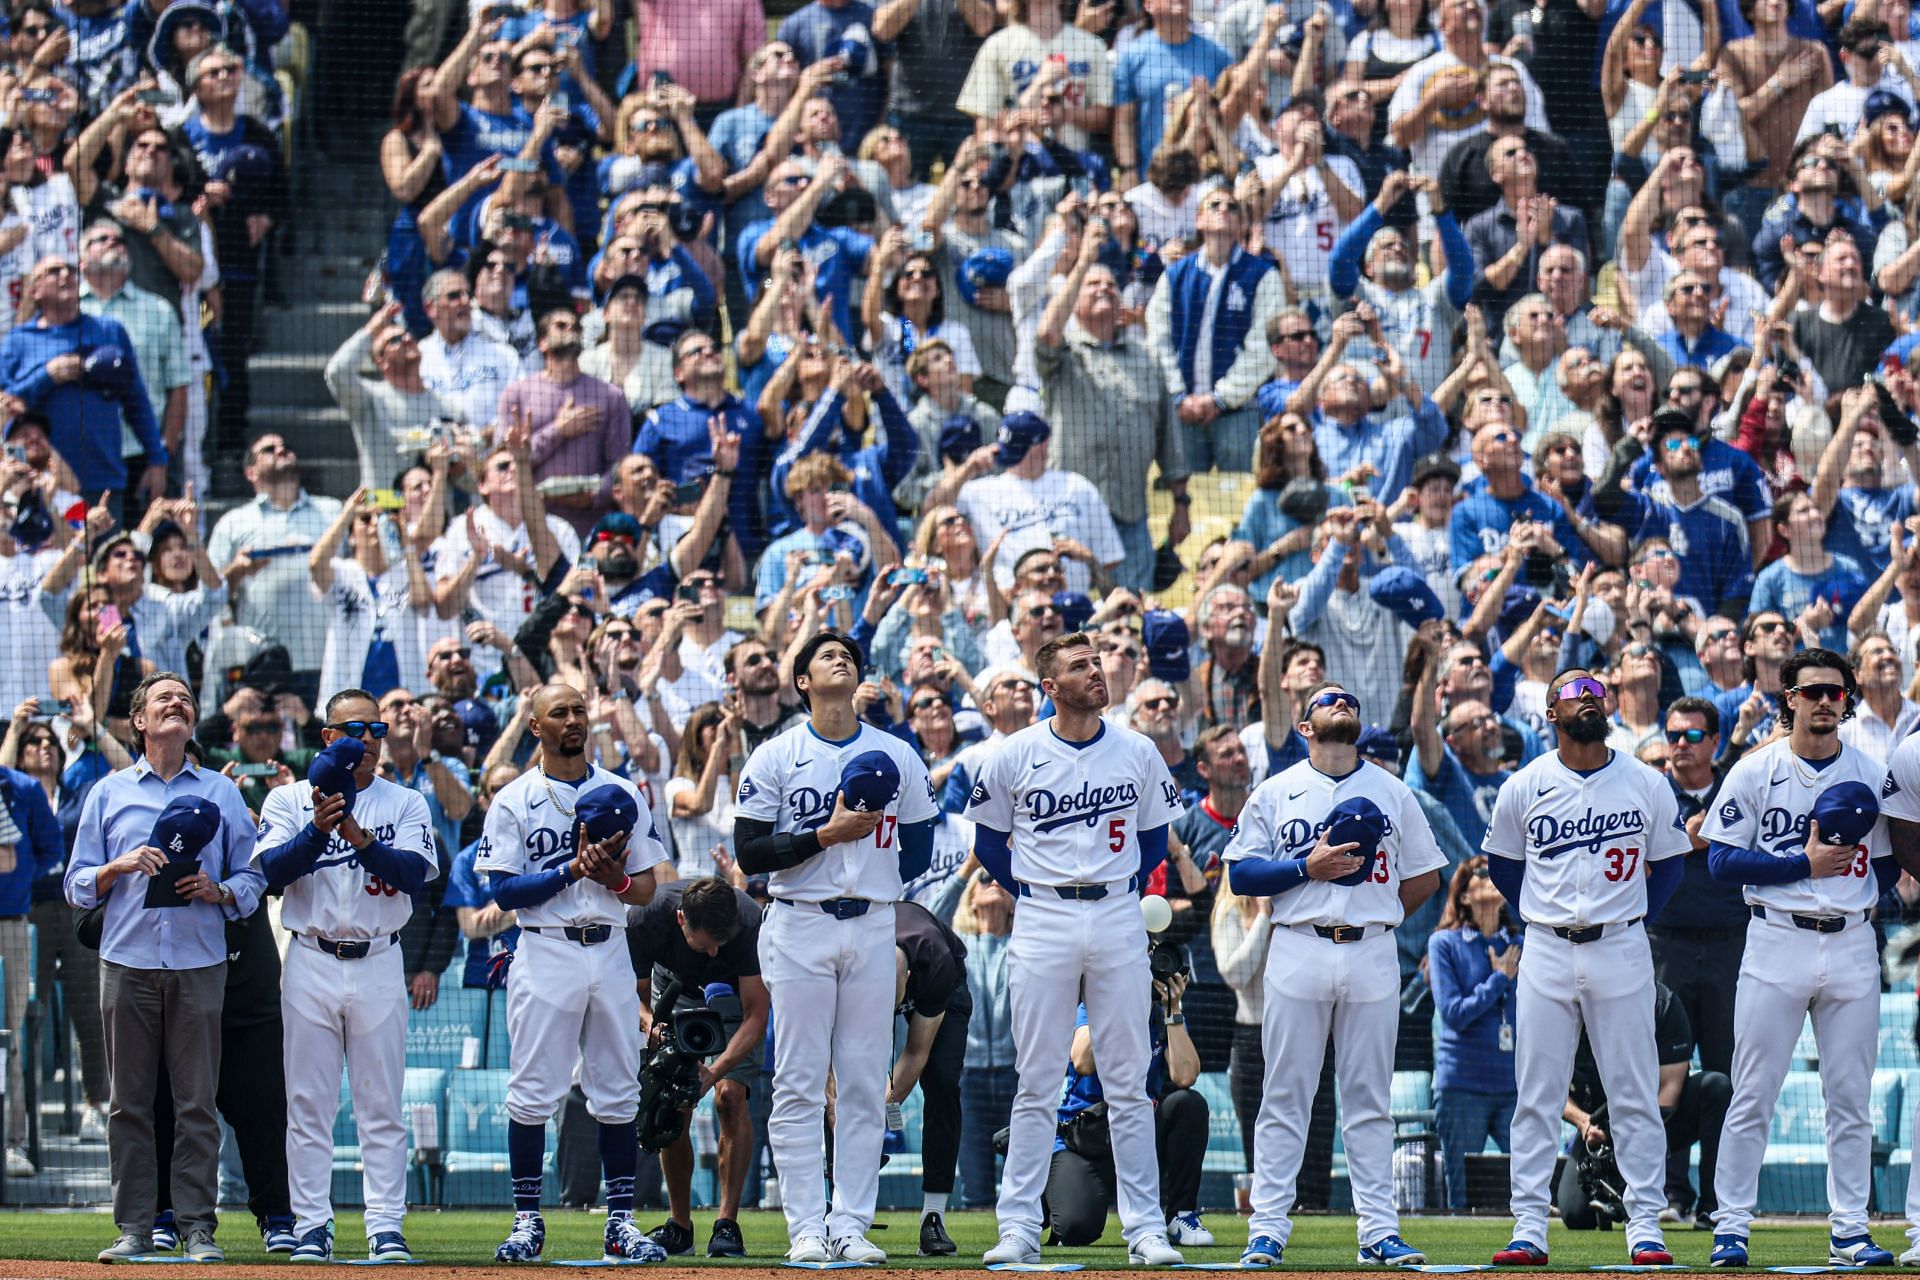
(696, 933)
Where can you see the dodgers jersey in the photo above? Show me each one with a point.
(793, 780)
(531, 827)
(1284, 817)
(1585, 838)
(1075, 810)
(339, 898)
(1766, 803)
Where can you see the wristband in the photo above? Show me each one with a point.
(625, 885)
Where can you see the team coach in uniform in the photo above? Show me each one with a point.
(169, 887)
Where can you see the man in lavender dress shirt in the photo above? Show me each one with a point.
(581, 426)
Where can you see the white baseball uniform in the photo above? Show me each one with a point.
(1586, 840)
(351, 1011)
(567, 1002)
(1900, 798)
(1076, 811)
(1789, 970)
(830, 971)
(1314, 983)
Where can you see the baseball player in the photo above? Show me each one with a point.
(1798, 823)
(1585, 843)
(1344, 850)
(1085, 805)
(564, 849)
(1900, 804)
(840, 815)
(350, 849)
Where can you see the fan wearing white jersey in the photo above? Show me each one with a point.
(826, 948)
(1585, 844)
(1085, 806)
(1810, 949)
(1331, 964)
(349, 880)
(571, 998)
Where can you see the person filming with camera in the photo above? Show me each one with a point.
(698, 933)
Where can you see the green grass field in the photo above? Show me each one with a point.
(1319, 1243)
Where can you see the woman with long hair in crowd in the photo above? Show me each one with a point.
(902, 307)
(411, 161)
(983, 917)
(93, 665)
(700, 794)
(1472, 957)
(1286, 452)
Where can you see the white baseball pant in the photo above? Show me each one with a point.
(832, 987)
(1786, 973)
(351, 1011)
(1608, 985)
(1312, 985)
(1057, 946)
(568, 1005)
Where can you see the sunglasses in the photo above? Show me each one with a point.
(1293, 335)
(445, 654)
(1581, 687)
(1768, 628)
(1646, 40)
(1637, 651)
(1155, 704)
(1126, 651)
(926, 704)
(361, 728)
(1821, 692)
(1678, 736)
(1042, 610)
(1674, 444)
(1335, 698)
(1692, 290)
(917, 273)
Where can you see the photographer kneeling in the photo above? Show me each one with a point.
(1080, 1183)
(1692, 1106)
(695, 933)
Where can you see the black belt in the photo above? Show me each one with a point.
(1079, 892)
(348, 949)
(587, 935)
(1345, 932)
(1592, 932)
(1813, 924)
(838, 908)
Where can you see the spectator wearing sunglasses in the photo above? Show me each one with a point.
(1750, 709)
(1724, 473)
(1507, 509)
(1820, 201)
(1716, 566)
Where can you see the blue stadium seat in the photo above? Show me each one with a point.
(437, 1037)
(1891, 1101)
(496, 1055)
(1223, 1126)
(476, 1143)
(1793, 1178)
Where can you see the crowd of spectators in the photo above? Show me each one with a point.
(1267, 342)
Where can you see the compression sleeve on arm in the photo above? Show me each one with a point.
(401, 869)
(1886, 874)
(1153, 851)
(1508, 874)
(916, 848)
(529, 889)
(1266, 877)
(1750, 866)
(285, 863)
(1663, 877)
(761, 852)
(991, 847)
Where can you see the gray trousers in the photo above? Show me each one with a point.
(15, 952)
(151, 1016)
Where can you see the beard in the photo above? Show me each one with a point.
(1339, 733)
(564, 348)
(567, 750)
(1394, 274)
(619, 566)
(1586, 728)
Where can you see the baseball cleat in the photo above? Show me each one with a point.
(1650, 1253)
(624, 1241)
(1911, 1258)
(1391, 1251)
(388, 1246)
(809, 1249)
(725, 1242)
(525, 1242)
(276, 1234)
(125, 1249)
(1187, 1231)
(166, 1236)
(315, 1246)
(1011, 1249)
(1859, 1251)
(1153, 1251)
(1262, 1251)
(672, 1237)
(1521, 1253)
(934, 1240)
(1728, 1251)
(857, 1248)
(201, 1248)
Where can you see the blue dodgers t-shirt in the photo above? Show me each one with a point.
(817, 32)
(1781, 589)
(1468, 796)
(1862, 521)
(1479, 525)
(1725, 472)
(1150, 73)
(466, 888)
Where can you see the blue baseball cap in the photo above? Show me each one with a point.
(959, 437)
(1166, 638)
(1406, 595)
(982, 269)
(607, 811)
(478, 723)
(1881, 103)
(1019, 432)
(108, 370)
(1846, 812)
(870, 781)
(1357, 820)
(1518, 606)
(619, 524)
(1074, 608)
(331, 772)
(1378, 743)
(186, 826)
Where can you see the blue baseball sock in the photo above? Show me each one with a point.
(619, 1154)
(526, 1152)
